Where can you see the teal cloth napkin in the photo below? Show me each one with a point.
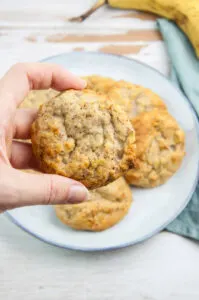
(185, 74)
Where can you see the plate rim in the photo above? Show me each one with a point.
(160, 228)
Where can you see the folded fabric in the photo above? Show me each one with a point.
(185, 74)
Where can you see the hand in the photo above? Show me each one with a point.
(18, 188)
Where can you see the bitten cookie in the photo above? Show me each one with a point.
(160, 148)
(82, 135)
(106, 206)
(135, 98)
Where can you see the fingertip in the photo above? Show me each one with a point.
(83, 83)
(79, 83)
(77, 193)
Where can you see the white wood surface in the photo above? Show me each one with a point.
(166, 266)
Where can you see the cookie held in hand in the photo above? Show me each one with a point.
(81, 135)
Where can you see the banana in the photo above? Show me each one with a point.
(185, 13)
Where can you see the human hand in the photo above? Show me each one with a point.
(18, 188)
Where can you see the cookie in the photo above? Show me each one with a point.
(106, 206)
(82, 135)
(135, 98)
(37, 97)
(160, 148)
(99, 83)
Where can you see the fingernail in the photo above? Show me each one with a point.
(77, 193)
(84, 83)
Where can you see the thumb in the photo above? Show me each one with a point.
(21, 189)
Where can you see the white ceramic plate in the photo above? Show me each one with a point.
(152, 209)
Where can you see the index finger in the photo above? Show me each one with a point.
(23, 77)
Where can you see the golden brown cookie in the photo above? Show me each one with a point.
(160, 148)
(82, 135)
(35, 98)
(99, 83)
(135, 98)
(106, 206)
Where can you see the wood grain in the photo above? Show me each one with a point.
(130, 36)
(78, 49)
(122, 49)
(30, 38)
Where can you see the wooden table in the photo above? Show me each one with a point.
(166, 266)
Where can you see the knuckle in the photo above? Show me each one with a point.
(51, 190)
(3, 149)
